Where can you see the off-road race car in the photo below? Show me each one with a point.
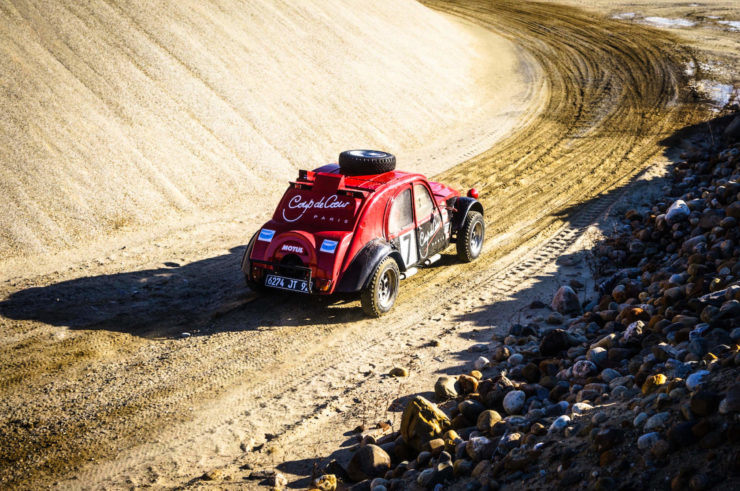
(361, 226)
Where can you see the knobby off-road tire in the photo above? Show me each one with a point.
(380, 294)
(470, 238)
(364, 162)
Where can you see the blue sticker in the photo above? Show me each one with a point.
(266, 235)
(329, 246)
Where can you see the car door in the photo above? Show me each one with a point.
(401, 228)
(430, 237)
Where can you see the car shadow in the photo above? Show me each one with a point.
(163, 301)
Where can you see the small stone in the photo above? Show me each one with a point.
(639, 420)
(444, 388)
(704, 403)
(501, 353)
(597, 355)
(184, 334)
(436, 446)
(555, 318)
(213, 475)
(467, 384)
(584, 369)
(327, 482)
(699, 482)
(677, 212)
(559, 424)
(399, 372)
(607, 438)
(487, 420)
(425, 478)
(566, 301)
(647, 440)
(515, 359)
(657, 421)
(462, 467)
(633, 332)
(471, 409)
(696, 379)
(653, 383)
(553, 342)
(368, 462)
(660, 449)
(514, 401)
(279, 481)
(580, 408)
(599, 418)
(731, 402)
(609, 374)
(481, 363)
(480, 448)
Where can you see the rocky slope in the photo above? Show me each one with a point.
(639, 389)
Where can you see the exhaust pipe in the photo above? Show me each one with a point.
(431, 260)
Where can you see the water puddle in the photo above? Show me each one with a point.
(734, 25)
(669, 23)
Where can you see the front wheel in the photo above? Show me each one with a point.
(380, 294)
(470, 237)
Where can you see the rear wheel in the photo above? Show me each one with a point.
(380, 294)
(470, 238)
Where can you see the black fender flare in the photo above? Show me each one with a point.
(463, 205)
(358, 273)
(246, 264)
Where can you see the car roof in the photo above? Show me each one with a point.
(370, 182)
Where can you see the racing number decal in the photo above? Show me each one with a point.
(407, 247)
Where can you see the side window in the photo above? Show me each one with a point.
(400, 216)
(422, 202)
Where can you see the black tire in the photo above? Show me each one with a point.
(380, 294)
(470, 237)
(366, 162)
(255, 286)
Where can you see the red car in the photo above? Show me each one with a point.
(361, 226)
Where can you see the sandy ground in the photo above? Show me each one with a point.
(100, 388)
(120, 115)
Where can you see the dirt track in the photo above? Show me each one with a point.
(123, 389)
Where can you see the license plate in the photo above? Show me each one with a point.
(285, 283)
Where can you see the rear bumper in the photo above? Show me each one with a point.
(258, 269)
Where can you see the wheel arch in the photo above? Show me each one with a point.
(359, 272)
(464, 205)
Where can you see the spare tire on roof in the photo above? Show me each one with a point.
(364, 162)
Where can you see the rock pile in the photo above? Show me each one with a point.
(637, 389)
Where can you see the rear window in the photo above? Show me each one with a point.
(309, 209)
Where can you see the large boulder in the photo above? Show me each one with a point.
(566, 301)
(368, 462)
(421, 422)
(553, 342)
(677, 212)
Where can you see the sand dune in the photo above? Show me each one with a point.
(116, 114)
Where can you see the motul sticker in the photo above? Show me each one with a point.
(266, 235)
(292, 248)
(329, 246)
